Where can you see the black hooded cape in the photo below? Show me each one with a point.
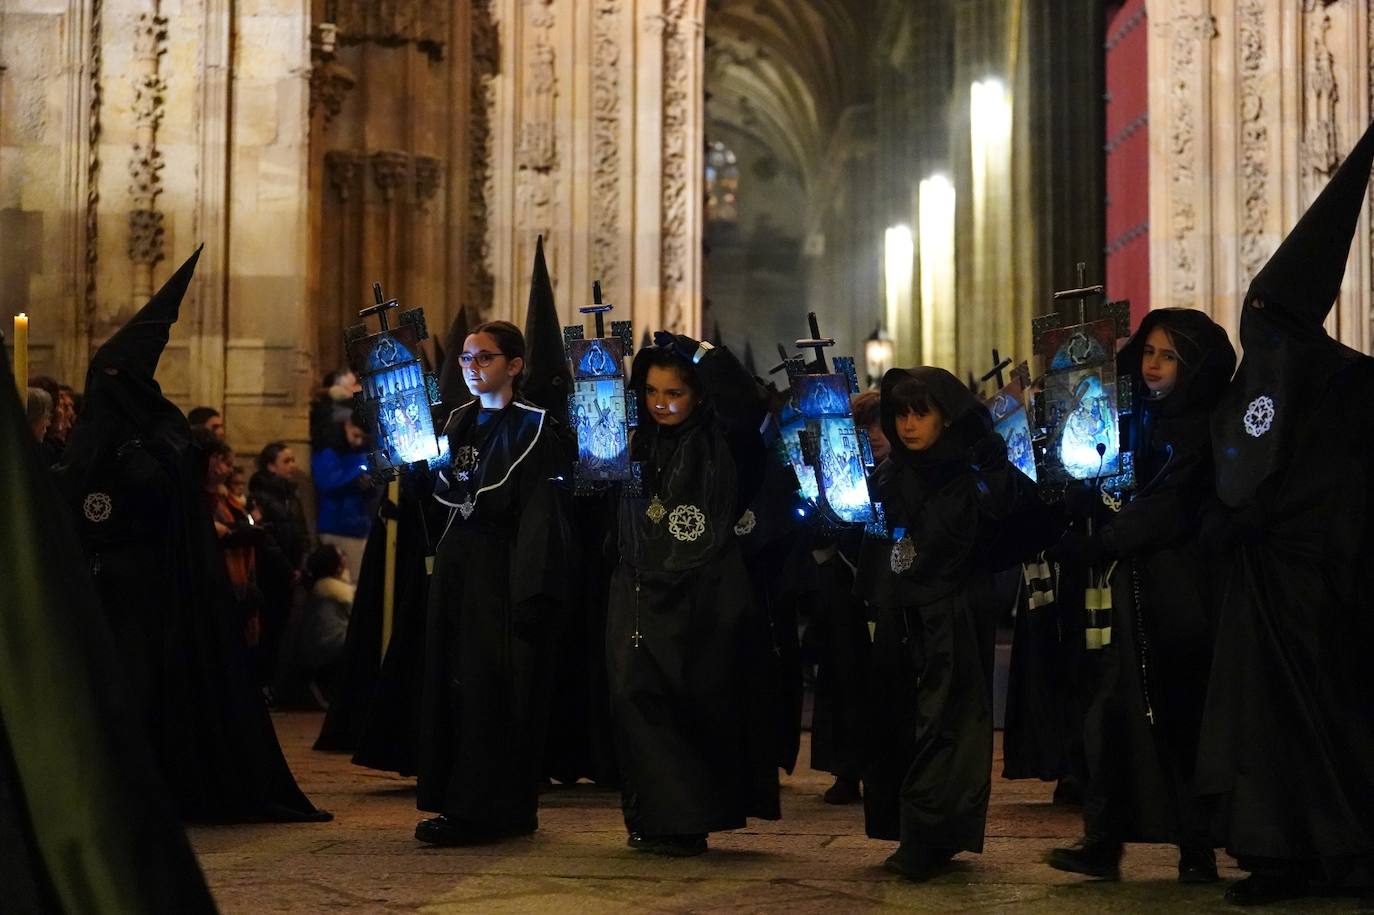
(686, 645)
(132, 481)
(1287, 751)
(1142, 731)
(957, 511)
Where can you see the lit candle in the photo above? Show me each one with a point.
(21, 356)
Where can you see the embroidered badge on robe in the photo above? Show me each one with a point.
(1259, 416)
(97, 507)
(687, 523)
(903, 555)
(746, 523)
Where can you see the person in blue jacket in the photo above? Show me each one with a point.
(343, 489)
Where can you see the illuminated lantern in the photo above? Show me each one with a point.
(601, 408)
(397, 392)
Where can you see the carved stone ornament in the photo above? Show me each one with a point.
(390, 170)
(429, 174)
(1190, 35)
(675, 245)
(392, 23)
(1321, 142)
(341, 167)
(606, 161)
(145, 237)
(95, 91)
(1254, 139)
(485, 65)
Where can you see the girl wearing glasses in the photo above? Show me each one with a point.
(497, 584)
(687, 651)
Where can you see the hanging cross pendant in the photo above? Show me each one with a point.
(636, 638)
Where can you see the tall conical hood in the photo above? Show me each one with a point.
(137, 346)
(453, 392)
(1303, 277)
(547, 380)
(79, 786)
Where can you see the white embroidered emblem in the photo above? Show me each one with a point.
(467, 507)
(903, 555)
(686, 523)
(746, 523)
(97, 507)
(1259, 416)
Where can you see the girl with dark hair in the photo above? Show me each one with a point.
(686, 647)
(955, 507)
(273, 491)
(499, 579)
(1142, 731)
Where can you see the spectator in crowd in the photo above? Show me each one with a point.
(207, 418)
(238, 535)
(343, 489)
(63, 414)
(326, 618)
(333, 403)
(274, 496)
(39, 412)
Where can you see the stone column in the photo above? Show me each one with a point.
(1254, 104)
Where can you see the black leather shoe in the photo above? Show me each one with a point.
(844, 791)
(1094, 856)
(918, 864)
(1262, 889)
(441, 830)
(1197, 865)
(669, 846)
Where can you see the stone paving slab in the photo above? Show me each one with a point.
(816, 859)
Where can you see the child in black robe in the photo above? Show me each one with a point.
(1142, 730)
(494, 601)
(954, 506)
(686, 645)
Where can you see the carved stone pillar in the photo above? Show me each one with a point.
(145, 163)
(1254, 104)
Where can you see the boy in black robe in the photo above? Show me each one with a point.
(129, 474)
(1287, 751)
(954, 507)
(1143, 728)
(686, 645)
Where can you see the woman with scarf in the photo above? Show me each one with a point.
(494, 603)
(957, 510)
(1142, 730)
(687, 649)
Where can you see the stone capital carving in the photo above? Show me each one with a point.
(429, 174)
(341, 168)
(391, 23)
(330, 80)
(390, 170)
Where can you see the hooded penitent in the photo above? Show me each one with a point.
(547, 381)
(967, 420)
(85, 822)
(1288, 355)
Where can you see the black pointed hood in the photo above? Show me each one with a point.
(123, 400)
(547, 381)
(748, 359)
(453, 391)
(137, 346)
(1289, 359)
(1302, 279)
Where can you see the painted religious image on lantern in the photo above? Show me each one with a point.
(396, 393)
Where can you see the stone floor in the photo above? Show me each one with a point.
(814, 859)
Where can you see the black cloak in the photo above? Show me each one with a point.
(86, 822)
(1287, 751)
(499, 584)
(1142, 731)
(131, 479)
(686, 646)
(957, 512)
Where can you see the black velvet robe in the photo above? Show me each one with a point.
(839, 636)
(495, 603)
(961, 506)
(686, 646)
(1142, 732)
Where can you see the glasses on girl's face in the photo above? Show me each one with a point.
(483, 358)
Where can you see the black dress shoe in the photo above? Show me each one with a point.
(918, 864)
(844, 791)
(687, 846)
(1094, 856)
(1197, 865)
(441, 830)
(1262, 889)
